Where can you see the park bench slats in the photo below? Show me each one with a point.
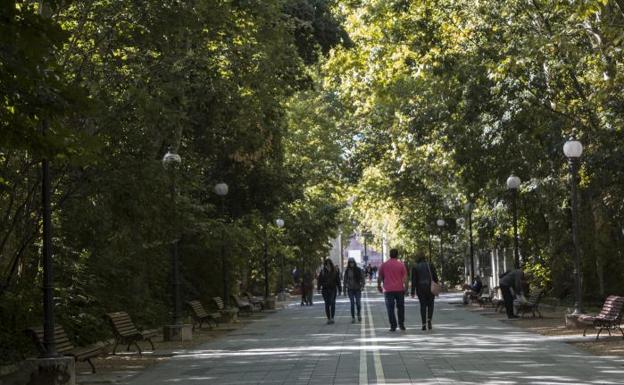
(228, 313)
(199, 314)
(255, 301)
(64, 346)
(610, 316)
(125, 331)
(243, 305)
(532, 304)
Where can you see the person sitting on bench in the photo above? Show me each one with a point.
(472, 290)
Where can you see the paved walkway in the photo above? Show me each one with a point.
(296, 347)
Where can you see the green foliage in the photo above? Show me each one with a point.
(117, 84)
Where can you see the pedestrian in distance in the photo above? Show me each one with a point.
(472, 290)
(329, 286)
(307, 288)
(392, 275)
(422, 275)
(512, 284)
(354, 282)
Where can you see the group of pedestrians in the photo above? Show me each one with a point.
(391, 281)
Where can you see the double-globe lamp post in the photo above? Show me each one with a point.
(513, 184)
(171, 162)
(221, 189)
(573, 149)
(440, 222)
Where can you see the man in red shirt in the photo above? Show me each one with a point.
(392, 274)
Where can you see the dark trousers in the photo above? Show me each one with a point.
(508, 299)
(329, 296)
(355, 297)
(426, 306)
(397, 297)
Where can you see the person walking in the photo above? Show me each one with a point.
(307, 288)
(511, 281)
(391, 275)
(422, 274)
(354, 282)
(329, 286)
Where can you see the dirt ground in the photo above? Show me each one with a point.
(553, 324)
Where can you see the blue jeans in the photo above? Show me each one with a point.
(329, 296)
(397, 297)
(355, 297)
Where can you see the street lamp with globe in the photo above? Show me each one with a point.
(573, 149)
(221, 189)
(513, 183)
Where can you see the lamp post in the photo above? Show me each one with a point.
(221, 189)
(48, 275)
(573, 149)
(440, 222)
(513, 183)
(469, 207)
(171, 161)
(279, 222)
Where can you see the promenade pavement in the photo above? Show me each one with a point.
(295, 347)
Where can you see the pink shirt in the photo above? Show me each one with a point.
(393, 273)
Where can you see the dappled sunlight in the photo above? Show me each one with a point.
(463, 348)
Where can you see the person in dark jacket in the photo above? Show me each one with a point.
(307, 288)
(329, 286)
(511, 285)
(472, 290)
(422, 273)
(354, 282)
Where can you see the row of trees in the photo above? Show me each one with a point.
(116, 84)
(444, 99)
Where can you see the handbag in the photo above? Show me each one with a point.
(436, 288)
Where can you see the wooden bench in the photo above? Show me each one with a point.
(242, 305)
(228, 314)
(257, 302)
(474, 297)
(487, 296)
(64, 345)
(610, 317)
(126, 333)
(532, 304)
(199, 314)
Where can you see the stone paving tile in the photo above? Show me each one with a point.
(296, 347)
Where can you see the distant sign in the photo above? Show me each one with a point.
(356, 254)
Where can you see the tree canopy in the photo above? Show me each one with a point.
(377, 116)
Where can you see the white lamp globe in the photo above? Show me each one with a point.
(221, 189)
(171, 159)
(513, 182)
(279, 222)
(440, 222)
(573, 149)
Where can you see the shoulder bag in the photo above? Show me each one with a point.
(436, 288)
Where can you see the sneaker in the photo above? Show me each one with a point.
(329, 322)
(359, 318)
(352, 320)
(402, 327)
(392, 329)
(429, 324)
(424, 327)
